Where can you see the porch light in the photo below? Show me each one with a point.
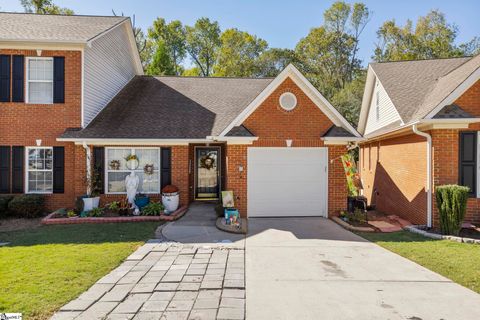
(39, 142)
(289, 142)
(39, 52)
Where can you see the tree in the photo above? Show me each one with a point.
(238, 54)
(202, 43)
(433, 37)
(348, 100)
(44, 7)
(161, 62)
(272, 61)
(173, 37)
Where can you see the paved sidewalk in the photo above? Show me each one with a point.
(165, 280)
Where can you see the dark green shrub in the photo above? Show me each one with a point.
(4, 200)
(27, 206)
(95, 212)
(452, 206)
(153, 209)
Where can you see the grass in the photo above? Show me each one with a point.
(459, 262)
(44, 268)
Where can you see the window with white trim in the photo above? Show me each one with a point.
(116, 169)
(39, 80)
(39, 169)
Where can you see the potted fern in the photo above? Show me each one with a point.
(92, 199)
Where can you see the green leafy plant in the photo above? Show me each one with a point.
(95, 212)
(153, 209)
(452, 206)
(94, 182)
(71, 213)
(114, 206)
(27, 206)
(4, 201)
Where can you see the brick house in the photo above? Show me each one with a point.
(74, 89)
(421, 121)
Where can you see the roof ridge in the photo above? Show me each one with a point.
(425, 59)
(63, 15)
(209, 77)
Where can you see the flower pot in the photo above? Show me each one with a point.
(170, 201)
(142, 202)
(90, 203)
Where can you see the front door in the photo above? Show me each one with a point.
(207, 173)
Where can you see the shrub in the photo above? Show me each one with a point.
(114, 206)
(95, 212)
(4, 200)
(71, 213)
(452, 206)
(27, 206)
(153, 209)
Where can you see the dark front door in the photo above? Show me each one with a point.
(207, 172)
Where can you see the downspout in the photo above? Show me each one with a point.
(89, 169)
(429, 172)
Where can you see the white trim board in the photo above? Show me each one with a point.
(291, 72)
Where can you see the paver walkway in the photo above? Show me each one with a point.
(165, 280)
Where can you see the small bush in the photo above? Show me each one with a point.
(4, 200)
(27, 206)
(452, 206)
(95, 212)
(153, 209)
(71, 213)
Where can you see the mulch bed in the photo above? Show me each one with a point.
(473, 233)
(53, 218)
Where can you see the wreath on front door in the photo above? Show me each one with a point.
(207, 162)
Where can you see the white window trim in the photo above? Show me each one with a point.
(27, 149)
(106, 170)
(27, 82)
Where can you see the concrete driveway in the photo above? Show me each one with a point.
(310, 268)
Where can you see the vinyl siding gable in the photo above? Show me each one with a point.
(108, 66)
(387, 113)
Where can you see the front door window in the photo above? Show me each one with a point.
(208, 172)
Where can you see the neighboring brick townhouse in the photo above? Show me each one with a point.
(421, 122)
(275, 142)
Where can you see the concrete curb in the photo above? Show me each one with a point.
(418, 230)
(350, 227)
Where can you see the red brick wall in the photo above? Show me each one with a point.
(394, 175)
(273, 125)
(21, 124)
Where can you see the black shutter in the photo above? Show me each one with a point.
(58, 169)
(4, 78)
(59, 80)
(99, 165)
(18, 81)
(468, 161)
(4, 169)
(17, 169)
(166, 170)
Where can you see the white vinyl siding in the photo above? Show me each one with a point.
(382, 115)
(108, 66)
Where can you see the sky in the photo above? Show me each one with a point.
(281, 23)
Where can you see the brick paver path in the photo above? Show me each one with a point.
(164, 280)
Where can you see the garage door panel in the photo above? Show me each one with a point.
(287, 182)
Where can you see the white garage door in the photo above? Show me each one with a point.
(287, 182)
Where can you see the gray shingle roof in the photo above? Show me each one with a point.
(335, 131)
(53, 28)
(239, 131)
(452, 112)
(416, 87)
(173, 108)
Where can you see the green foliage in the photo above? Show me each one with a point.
(452, 206)
(153, 209)
(161, 63)
(272, 61)
(95, 212)
(71, 213)
(432, 37)
(348, 100)
(27, 206)
(114, 206)
(238, 54)
(44, 7)
(4, 201)
(94, 182)
(202, 43)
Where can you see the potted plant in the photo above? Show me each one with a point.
(113, 208)
(92, 199)
(132, 161)
(153, 209)
(170, 198)
(141, 200)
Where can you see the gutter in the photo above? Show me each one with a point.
(429, 172)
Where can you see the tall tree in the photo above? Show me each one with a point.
(44, 7)
(238, 54)
(202, 43)
(161, 63)
(432, 37)
(272, 61)
(173, 37)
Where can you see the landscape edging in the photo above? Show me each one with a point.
(418, 230)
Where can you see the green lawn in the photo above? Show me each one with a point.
(45, 267)
(459, 262)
